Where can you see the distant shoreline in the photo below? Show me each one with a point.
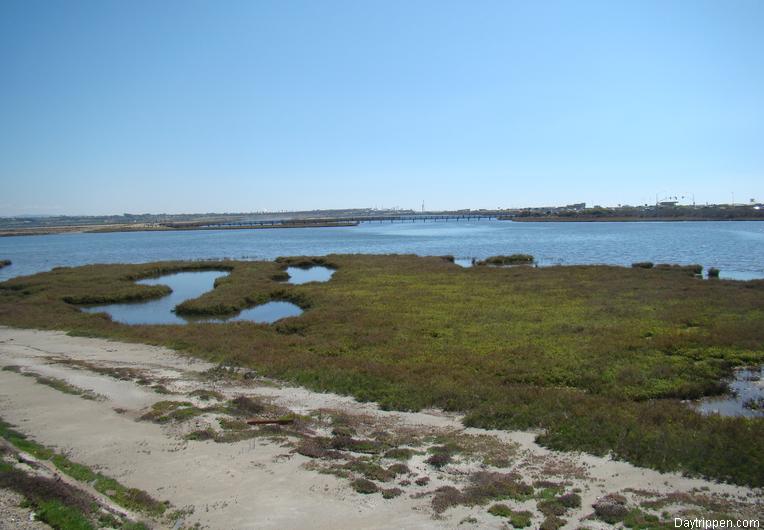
(328, 223)
(622, 219)
(54, 230)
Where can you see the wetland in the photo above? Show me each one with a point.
(599, 359)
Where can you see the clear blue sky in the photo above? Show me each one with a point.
(186, 106)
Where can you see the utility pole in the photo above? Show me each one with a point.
(422, 206)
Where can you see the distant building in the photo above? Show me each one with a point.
(576, 207)
(669, 203)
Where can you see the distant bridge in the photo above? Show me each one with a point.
(338, 221)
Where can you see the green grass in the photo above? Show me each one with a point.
(598, 357)
(63, 517)
(23, 443)
(55, 502)
(130, 498)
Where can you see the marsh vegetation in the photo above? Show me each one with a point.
(513, 259)
(597, 357)
(175, 289)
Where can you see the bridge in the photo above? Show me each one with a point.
(336, 221)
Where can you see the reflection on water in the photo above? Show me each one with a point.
(267, 313)
(186, 286)
(298, 276)
(746, 396)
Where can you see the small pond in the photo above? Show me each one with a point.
(745, 398)
(185, 286)
(465, 262)
(265, 313)
(298, 276)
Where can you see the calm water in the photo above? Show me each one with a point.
(746, 396)
(298, 276)
(735, 247)
(187, 285)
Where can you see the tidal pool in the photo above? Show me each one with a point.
(298, 276)
(464, 262)
(745, 397)
(185, 286)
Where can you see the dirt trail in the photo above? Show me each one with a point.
(261, 482)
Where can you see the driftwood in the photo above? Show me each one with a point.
(281, 421)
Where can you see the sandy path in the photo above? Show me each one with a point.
(255, 483)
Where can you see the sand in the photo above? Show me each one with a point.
(259, 483)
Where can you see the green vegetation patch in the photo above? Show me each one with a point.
(484, 486)
(400, 453)
(597, 357)
(169, 411)
(518, 519)
(364, 486)
(512, 259)
(59, 515)
(130, 498)
(207, 395)
(484, 448)
(54, 383)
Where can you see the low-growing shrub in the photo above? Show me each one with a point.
(692, 270)
(399, 469)
(166, 411)
(317, 448)
(552, 522)
(201, 435)
(439, 460)
(206, 395)
(446, 497)
(489, 485)
(245, 406)
(346, 443)
(364, 486)
(611, 508)
(570, 500)
(551, 507)
(500, 510)
(643, 265)
(370, 470)
(513, 259)
(391, 493)
(399, 453)
(518, 519)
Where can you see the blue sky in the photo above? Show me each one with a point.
(186, 106)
